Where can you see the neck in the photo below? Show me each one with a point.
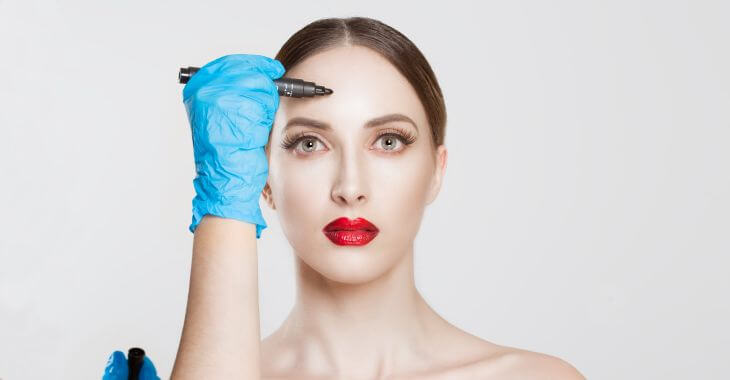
(360, 329)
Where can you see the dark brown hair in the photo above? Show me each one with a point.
(327, 33)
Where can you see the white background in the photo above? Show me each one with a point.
(584, 213)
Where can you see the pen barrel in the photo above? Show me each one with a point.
(292, 87)
(295, 88)
(135, 359)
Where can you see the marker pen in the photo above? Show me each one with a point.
(135, 358)
(292, 87)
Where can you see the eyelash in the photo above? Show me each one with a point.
(407, 138)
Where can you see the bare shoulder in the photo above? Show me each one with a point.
(482, 359)
(514, 363)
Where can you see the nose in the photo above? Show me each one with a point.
(350, 187)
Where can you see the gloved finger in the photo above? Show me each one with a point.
(237, 62)
(222, 130)
(148, 370)
(239, 120)
(116, 367)
(231, 65)
(248, 100)
(250, 84)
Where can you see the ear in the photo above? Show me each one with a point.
(266, 193)
(438, 175)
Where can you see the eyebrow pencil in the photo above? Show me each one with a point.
(135, 358)
(292, 87)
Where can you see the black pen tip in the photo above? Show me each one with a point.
(322, 90)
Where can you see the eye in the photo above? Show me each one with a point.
(389, 139)
(307, 143)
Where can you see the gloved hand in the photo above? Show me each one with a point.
(118, 369)
(231, 103)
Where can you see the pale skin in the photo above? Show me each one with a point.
(358, 313)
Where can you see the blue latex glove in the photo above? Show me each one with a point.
(231, 103)
(118, 369)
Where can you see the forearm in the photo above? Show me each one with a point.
(220, 337)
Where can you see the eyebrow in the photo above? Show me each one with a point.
(307, 122)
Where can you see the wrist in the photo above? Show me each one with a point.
(245, 210)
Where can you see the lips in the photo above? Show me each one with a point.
(343, 231)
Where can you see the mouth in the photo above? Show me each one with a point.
(343, 231)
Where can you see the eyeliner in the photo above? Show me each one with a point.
(292, 87)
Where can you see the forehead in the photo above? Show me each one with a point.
(365, 86)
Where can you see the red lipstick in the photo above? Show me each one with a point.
(343, 231)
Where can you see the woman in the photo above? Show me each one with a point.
(369, 157)
(358, 314)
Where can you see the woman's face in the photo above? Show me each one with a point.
(348, 170)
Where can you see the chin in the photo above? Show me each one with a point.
(350, 265)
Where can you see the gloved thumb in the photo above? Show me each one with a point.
(148, 371)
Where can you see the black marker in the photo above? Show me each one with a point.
(293, 87)
(135, 358)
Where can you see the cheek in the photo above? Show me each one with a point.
(397, 190)
(400, 202)
(300, 191)
(400, 189)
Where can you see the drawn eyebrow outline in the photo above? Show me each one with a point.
(307, 122)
